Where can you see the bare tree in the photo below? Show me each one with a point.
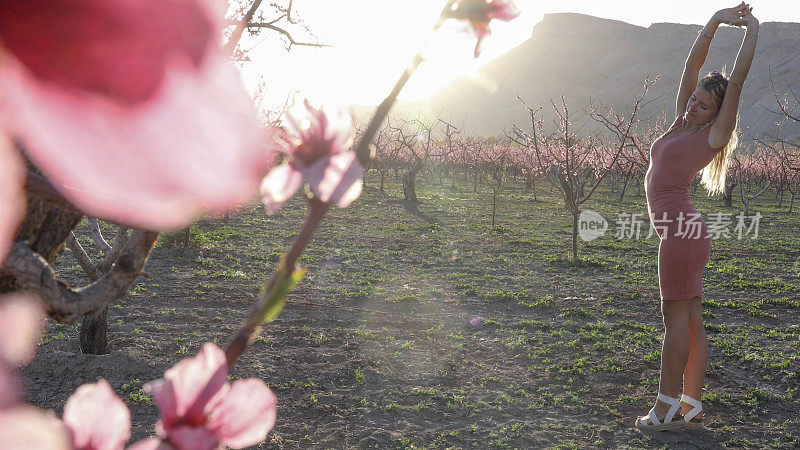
(575, 166)
(417, 137)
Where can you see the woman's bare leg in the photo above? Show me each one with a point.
(674, 352)
(697, 363)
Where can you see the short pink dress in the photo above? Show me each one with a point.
(684, 242)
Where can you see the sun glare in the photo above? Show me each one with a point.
(372, 43)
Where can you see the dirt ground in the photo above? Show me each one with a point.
(375, 348)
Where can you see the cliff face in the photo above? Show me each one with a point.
(586, 57)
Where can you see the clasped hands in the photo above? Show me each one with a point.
(740, 15)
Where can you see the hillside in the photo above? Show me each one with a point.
(586, 57)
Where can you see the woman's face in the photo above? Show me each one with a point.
(701, 108)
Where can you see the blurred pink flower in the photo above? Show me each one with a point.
(96, 419)
(12, 200)
(479, 13)
(319, 142)
(24, 427)
(130, 107)
(200, 410)
(20, 326)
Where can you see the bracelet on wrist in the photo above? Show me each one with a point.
(751, 33)
(705, 35)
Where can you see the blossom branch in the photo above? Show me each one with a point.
(286, 268)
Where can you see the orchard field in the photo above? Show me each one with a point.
(421, 325)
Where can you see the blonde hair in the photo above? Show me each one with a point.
(713, 175)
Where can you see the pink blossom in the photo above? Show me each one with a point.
(12, 202)
(96, 418)
(22, 426)
(130, 107)
(479, 13)
(318, 143)
(25, 428)
(200, 410)
(20, 324)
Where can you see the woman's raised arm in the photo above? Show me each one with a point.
(697, 56)
(725, 123)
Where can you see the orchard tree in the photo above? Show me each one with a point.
(575, 166)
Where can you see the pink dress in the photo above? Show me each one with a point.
(684, 242)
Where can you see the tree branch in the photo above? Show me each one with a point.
(33, 274)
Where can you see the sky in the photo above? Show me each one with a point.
(372, 42)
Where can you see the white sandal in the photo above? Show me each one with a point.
(651, 422)
(697, 408)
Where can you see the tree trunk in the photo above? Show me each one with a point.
(409, 189)
(727, 196)
(625, 183)
(575, 236)
(93, 335)
(494, 206)
(383, 179)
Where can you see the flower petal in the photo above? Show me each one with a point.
(59, 41)
(188, 387)
(25, 428)
(97, 418)
(151, 444)
(191, 438)
(245, 415)
(10, 390)
(503, 10)
(196, 145)
(279, 186)
(336, 178)
(12, 196)
(20, 326)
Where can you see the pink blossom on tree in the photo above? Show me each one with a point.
(479, 13)
(318, 142)
(200, 410)
(130, 108)
(96, 418)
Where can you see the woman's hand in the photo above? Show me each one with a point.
(733, 16)
(748, 20)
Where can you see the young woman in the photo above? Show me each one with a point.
(702, 136)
